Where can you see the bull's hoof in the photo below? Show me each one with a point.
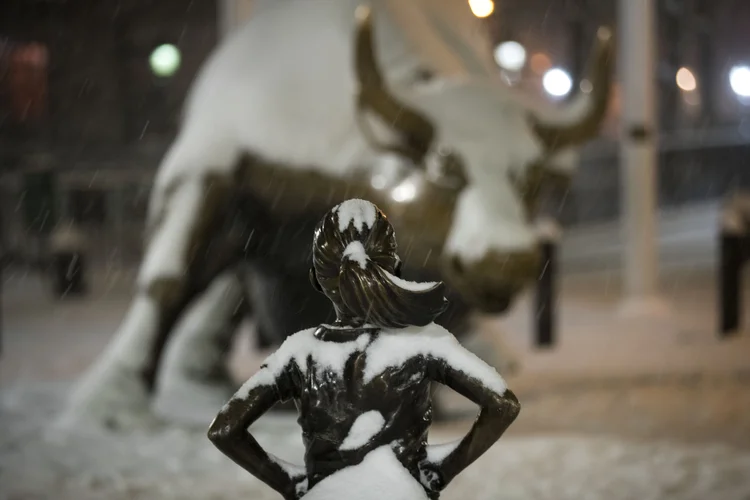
(187, 401)
(114, 398)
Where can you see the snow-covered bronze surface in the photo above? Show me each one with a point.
(362, 385)
(309, 104)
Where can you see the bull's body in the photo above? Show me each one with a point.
(273, 138)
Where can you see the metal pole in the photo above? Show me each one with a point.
(2, 271)
(545, 296)
(730, 290)
(233, 13)
(638, 154)
(733, 239)
(546, 289)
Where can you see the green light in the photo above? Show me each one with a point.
(165, 60)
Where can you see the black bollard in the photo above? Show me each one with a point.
(732, 257)
(68, 273)
(545, 317)
(2, 270)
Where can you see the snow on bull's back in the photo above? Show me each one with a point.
(395, 347)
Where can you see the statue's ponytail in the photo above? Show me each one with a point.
(355, 264)
(382, 299)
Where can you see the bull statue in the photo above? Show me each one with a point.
(309, 104)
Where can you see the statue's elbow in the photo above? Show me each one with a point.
(506, 406)
(220, 433)
(514, 408)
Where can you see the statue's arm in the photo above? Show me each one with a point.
(499, 407)
(229, 431)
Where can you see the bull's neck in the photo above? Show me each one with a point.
(420, 211)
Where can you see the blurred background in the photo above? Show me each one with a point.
(656, 404)
(92, 93)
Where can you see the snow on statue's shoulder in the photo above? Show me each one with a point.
(296, 347)
(361, 213)
(395, 347)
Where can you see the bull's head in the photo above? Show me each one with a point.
(495, 153)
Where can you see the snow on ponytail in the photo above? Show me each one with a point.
(356, 265)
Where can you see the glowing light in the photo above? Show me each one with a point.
(165, 60)
(739, 79)
(557, 82)
(510, 55)
(482, 8)
(540, 63)
(686, 80)
(378, 181)
(406, 191)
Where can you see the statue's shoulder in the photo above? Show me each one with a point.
(396, 346)
(296, 347)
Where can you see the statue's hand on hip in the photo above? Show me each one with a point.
(299, 488)
(430, 477)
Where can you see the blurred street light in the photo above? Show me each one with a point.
(406, 191)
(739, 79)
(557, 82)
(510, 55)
(482, 8)
(165, 60)
(686, 80)
(540, 63)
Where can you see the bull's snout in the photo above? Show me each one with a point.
(491, 284)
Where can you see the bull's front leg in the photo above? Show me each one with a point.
(195, 378)
(181, 259)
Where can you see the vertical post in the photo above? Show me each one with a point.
(546, 290)
(116, 214)
(732, 257)
(708, 67)
(672, 25)
(2, 271)
(232, 13)
(638, 158)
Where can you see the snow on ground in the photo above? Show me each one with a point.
(580, 435)
(178, 463)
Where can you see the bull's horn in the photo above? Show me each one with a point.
(416, 130)
(601, 65)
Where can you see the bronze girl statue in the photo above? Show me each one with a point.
(362, 385)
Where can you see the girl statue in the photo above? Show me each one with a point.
(362, 385)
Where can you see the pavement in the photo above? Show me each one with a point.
(605, 373)
(620, 407)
